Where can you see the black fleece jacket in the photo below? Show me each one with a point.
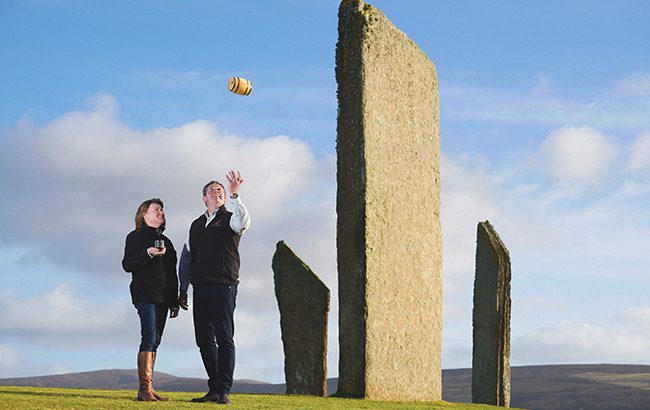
(154, 279)
(214, 250)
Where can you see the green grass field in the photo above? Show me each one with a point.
(51, 398)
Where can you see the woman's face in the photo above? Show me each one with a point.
(155, 216)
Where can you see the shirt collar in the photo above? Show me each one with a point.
(215, 213)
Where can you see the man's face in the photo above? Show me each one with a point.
(215, 196)
(155, 216)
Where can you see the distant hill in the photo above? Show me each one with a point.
(128, 379)
(564, 387)
(551, 387)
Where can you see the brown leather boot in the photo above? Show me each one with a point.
(145, 375)
(155, 394)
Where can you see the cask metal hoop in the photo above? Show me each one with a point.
(240, 85)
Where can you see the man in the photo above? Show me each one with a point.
(210, 262)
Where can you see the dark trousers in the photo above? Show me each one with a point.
(214, 329)
(152, 323)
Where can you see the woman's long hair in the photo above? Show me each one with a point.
(142, 209)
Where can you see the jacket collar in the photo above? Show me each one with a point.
(216, 213)
(155, 231)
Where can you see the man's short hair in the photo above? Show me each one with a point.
(205, 188)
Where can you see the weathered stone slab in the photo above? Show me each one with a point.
(388, 201)
(491, 345)
(304, 303)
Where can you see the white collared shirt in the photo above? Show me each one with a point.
(239, 222)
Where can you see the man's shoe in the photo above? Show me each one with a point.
(209, 396)
(223, 399)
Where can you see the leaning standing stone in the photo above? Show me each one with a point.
(491, 345)
(304, 303)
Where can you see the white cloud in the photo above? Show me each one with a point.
(59, 316)
(609, 110)
(621, 338)
(65, 321)
(556, 241)
(13, 364)
(74, 186)
(468, 198)
(76, 182)
(8, 357)
(635, 85)
(578, 155)
(543, 86)
(639, 160)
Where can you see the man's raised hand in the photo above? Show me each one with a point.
(234, 181)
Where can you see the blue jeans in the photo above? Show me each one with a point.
(214, 329)
(152, 323)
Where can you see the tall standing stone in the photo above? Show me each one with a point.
(388, 203)
(304, 303)
(491, 345)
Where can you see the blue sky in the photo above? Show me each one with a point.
(544, 131)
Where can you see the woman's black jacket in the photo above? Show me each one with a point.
(154, 279)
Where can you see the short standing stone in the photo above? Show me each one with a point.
(388, 201)
(304, 303)
(491, 345)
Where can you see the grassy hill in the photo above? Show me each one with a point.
(12, 397)
(551, 387)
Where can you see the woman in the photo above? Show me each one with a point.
(150, 257)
